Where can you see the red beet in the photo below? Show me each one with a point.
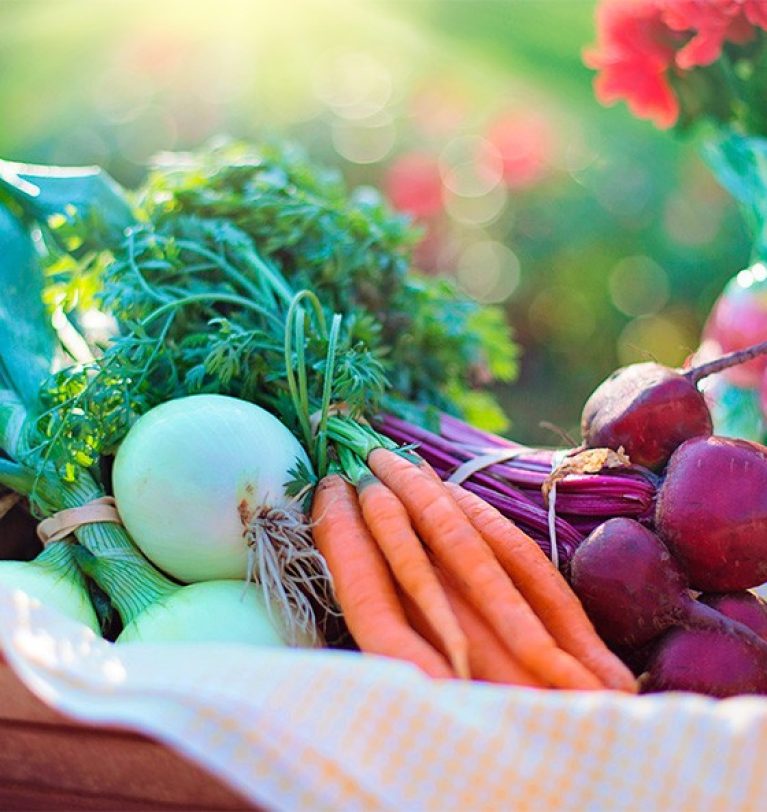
(711, 511)
(649, 409)
(628, 583)
(633, 589)
(705, 662)
(635, 657)
(743, 606)
(712, 662)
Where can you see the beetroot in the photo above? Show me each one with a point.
(633, 589)
(707, 662)
(711, 511)
(628, 583)
(635, 657)
(714, 663)
(743, 606)
(649, 409)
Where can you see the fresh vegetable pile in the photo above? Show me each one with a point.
(687, 532)
(243, 417)
(709, 536)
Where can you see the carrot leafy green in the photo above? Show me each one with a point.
(201, 286)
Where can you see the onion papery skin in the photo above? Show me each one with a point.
(187, 474)
(208, 612)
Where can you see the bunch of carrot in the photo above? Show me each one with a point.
(428, 572)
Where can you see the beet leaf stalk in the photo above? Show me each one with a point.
(511, 477)
(509, 500)
(731, 359)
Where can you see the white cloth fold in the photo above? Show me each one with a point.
(299, 730)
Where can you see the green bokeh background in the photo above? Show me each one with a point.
(614, 253)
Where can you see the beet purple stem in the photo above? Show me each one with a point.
(514, 486)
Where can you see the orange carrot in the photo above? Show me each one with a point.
(389, 524)
(463, 553)
(489, 660)
(545, 589)
(362, 582)
(427, 469)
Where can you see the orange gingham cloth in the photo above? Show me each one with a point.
(316, 730)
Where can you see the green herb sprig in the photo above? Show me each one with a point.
(201, 289)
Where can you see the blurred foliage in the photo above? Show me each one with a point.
(605, 239)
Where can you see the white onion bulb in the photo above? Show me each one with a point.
(65, 592)
(200, 484)
(211, 611)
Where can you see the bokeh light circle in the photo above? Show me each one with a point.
(470, 166)
(638, 286)
(477, 211)
(488, 271)
(363, 143)
(355, 85)
(656, 338)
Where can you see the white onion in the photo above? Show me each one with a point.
(62, 591)
(211, 611)
(200, 484)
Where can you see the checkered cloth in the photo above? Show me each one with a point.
(339, 731)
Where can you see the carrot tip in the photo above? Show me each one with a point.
(460, 663)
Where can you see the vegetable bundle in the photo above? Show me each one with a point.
(245, 364)
(474, 586)
(707, 532)
(200, 309)
(246, 273)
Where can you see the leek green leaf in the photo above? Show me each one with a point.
(26, 335)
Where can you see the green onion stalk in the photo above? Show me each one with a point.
(53, 577)
(117, 566)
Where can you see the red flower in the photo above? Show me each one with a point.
(641, 40)
(633, 54)
(755, 12)
(714, 23)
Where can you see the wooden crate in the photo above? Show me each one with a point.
(48, 762)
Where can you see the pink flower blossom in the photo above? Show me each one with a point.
(755, 12)
(639, 42)
(634, 51)
(714, 23)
